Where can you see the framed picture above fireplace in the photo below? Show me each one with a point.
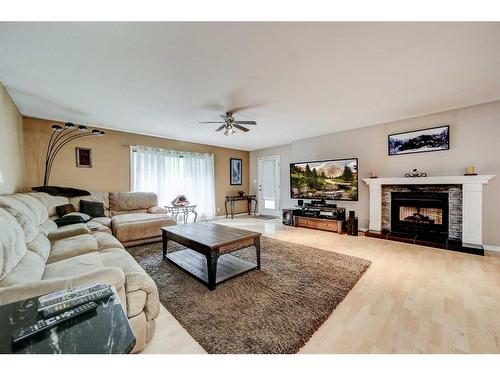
(423, 140)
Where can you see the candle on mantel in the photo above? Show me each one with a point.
(470, 171)
(373, 174)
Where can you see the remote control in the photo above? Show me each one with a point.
(67, 294)
(58, 308)
(45, 324)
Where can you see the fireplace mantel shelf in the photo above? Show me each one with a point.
(432, 180)
(472, 204)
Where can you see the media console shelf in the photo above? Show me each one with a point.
(316, 223)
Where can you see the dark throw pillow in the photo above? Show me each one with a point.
(69, 219)
(65, 209)
(94, 209)
(61, 191)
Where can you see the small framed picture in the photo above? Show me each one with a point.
(424, 140)
(235, 171)
(83, 157)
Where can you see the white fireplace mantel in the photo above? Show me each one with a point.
(472, 200)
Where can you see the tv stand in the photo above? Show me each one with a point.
(323, 217)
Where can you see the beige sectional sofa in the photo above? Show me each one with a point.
(36, 257)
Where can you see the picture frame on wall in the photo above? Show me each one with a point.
(235, 171)
(83, 157)
(424, 140)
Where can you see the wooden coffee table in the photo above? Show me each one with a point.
(208, 245)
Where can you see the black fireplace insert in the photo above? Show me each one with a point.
(420, 213)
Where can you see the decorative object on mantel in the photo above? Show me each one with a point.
(373, 174)
(424, 140)
(415, 173)
(241, 193)
(180, 200)
(470, 171)
(62, 135)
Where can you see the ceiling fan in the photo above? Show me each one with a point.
(229, 124)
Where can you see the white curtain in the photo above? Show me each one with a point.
(170, 173)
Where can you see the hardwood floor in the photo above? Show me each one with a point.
(412, 299)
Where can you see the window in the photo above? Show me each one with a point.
(171, 173)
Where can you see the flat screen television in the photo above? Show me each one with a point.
(325, 179)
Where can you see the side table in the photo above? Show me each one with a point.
(175, 211)
(105, 330)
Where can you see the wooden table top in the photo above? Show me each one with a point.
(209, 234)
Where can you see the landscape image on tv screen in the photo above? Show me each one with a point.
(328, 179)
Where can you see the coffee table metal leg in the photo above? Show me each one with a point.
(257, 251)
(165, 244)
(212, 270)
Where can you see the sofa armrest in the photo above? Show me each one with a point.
(108, 275)
(141, 281)
(156, 210)
(68, 231)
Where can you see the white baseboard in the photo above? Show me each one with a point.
(492, 248)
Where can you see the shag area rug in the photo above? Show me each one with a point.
(272, 310)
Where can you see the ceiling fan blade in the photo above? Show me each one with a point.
(241, 127)
(220, 128)
(210, 122)
(246, 122)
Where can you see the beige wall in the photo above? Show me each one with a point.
(111, 161)
(11, 144)
(475, 140)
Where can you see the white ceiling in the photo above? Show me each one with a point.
(304, 79)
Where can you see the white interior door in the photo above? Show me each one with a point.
(269, 185)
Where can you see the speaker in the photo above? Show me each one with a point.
(352, 214)
(287, 217)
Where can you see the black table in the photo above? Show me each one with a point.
(231, 199)
(105, 330)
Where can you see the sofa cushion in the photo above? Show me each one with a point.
(47, 227)
(68, 231)
(119, 202)
(24, 216)
(50, 202)
(40, 246)
(95, 196)
(12, 245)
(106, 241)
(106, 221)
(132, 227)
(29, 269)
(37, 207)
(73, 267)
(72, 246)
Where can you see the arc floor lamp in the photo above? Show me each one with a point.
(61, 136)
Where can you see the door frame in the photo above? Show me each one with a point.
(263, 211)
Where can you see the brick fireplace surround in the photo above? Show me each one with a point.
(465, 207)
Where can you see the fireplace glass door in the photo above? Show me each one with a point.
(420, 213)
